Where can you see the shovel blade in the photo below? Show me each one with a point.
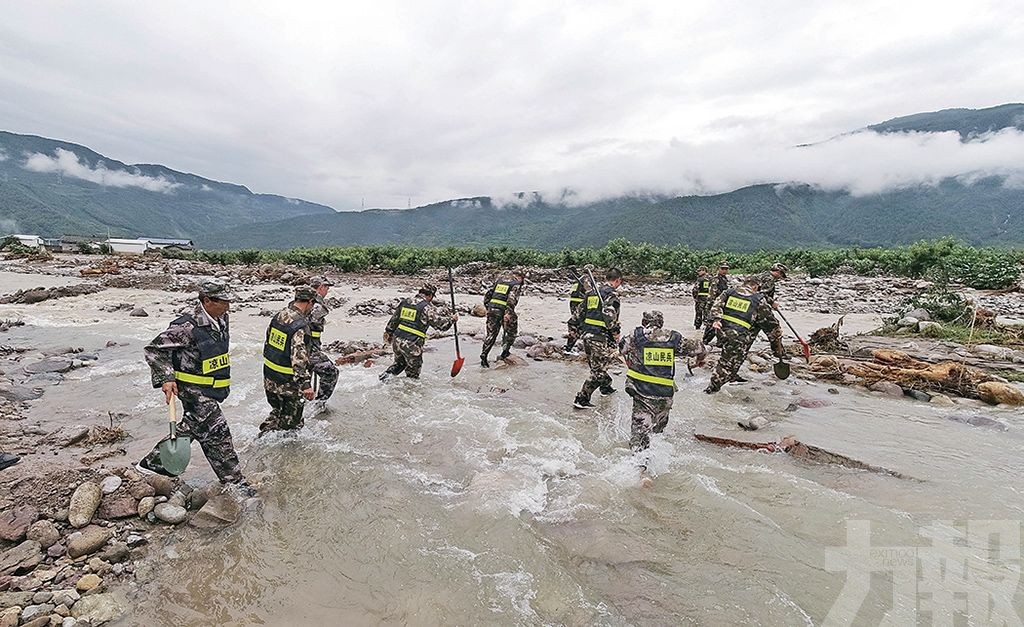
(175, 454)
(781, 370)
(457, 366)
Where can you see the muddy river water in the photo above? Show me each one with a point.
(488, 499)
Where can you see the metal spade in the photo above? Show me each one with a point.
(781, 369)
(176, 450)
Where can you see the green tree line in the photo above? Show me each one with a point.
(941, 260)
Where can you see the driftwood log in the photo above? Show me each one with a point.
(795, 448)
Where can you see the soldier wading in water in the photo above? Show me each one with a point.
(599, 321)
(501, 301)
(406, 331)
(190, 361)
(650, 352)
(287, 376)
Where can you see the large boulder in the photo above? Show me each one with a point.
(920, 314)
(84, 503)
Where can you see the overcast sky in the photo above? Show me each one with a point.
(391, 101)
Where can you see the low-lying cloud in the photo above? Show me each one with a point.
(861, 163)
(69, 164)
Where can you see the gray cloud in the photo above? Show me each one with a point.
(392, 100)
(67, 163)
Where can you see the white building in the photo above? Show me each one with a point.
(32, 241)
(128, 246)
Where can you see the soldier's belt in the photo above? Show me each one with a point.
(277, 367)
(407, 329)
(639, 376)
(742, 323)
(195, 379)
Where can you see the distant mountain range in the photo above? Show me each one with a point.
(50, 187)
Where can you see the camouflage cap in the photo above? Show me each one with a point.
(217, 289)
(754, 280)
(702, 269)
(780, 268)
(429, 289)
(724, 264)
(653, 319)
(519, 271)
(317, 281)
(304, 292)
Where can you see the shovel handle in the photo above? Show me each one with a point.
(172, 417)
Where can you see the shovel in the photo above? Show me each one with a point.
(781, 369)
(176, 450)
(459, 359)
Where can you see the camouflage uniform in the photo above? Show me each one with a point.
(700, 303)
(579, 289)
(409, 351)
(286, 400)
(202, 419)
(735, 341)
(320, 363)
(499, 319)
(719, 283)
(650, 413)
(600, 346)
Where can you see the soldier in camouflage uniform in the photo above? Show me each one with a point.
(650, 353)
(577, 296)
(286, 368)
(701, 294)
(599, 321)
(719, 284)
(768, 280)
(406, 331)
(501, 300)
(738, 315)
(322, 365)
(190, 360)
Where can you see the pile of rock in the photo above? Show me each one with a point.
(39, 294)
(58, 566)
(374, 307)
(918, 320)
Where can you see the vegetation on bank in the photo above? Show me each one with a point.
(944, 260)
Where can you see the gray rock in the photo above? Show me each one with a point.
(753, 423)
(19, 393)
(110, 484)
(66, 597)
(139, 312)
(10, 599)
(918, 395)
(84, 503)
(99, 608)
(920, 314)
(173, 514)
(978, 421)
(925, 325)
(50, 365)
(907, 322)
(69, 621)
(116, 552)
(44, 532)
(146, 505)
(943, 401)
(33, 612)
(68, 435)
(21, 558)
(89, 541)
(993, 352)
(135, 540)
(42, 597)
(219, 511)
(888, 388)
